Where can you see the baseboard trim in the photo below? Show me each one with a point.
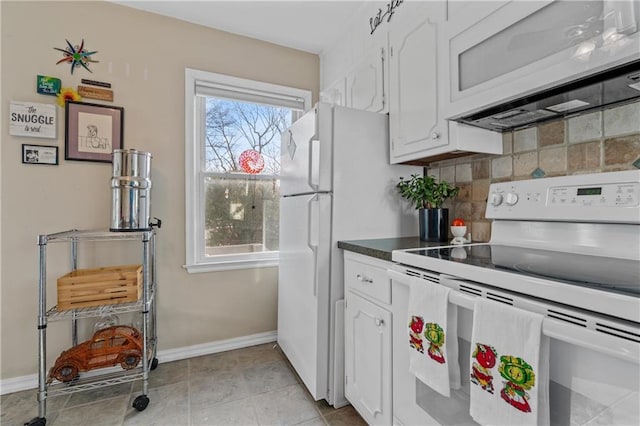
(30, 381)
(177, 354)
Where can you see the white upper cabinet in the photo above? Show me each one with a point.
(500, 51)
(458, 10)
(418, 90)
(358, 57)
(335, 93)
(416, 124)
(366, 81)
(366, 85)
(401, 67)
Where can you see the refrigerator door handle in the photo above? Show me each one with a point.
(312, 164)
(312, 240)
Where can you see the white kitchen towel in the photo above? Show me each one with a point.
(433, 336)
(509, 366)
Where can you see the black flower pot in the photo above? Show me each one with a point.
(434, 224)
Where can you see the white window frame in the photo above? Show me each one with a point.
(245, 89)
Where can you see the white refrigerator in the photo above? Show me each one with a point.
(336, 184)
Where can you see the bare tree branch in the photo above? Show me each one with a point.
(233, 127)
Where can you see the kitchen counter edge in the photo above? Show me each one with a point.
(381, 248)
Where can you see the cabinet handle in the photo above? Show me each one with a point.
(435, 135)
(364, 279)
(379, 322)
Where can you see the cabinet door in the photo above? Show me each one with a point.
(459, 11)
(368, 359)
(335, 94)
(365, 85)
(416, 123)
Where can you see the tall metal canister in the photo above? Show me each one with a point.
(131, 190)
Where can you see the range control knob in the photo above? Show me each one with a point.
(495, 199)
(511, 199)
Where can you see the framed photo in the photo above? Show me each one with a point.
(92, 131)
(39, 154)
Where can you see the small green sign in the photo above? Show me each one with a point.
(48, 85)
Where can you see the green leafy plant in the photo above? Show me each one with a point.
(424, 192)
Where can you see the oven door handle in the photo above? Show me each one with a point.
(578, 336)
(397, 276)
(455, 297)
(593, 340)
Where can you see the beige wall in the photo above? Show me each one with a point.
(602, 141)
(144, 57)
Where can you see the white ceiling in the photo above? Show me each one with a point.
(305, 25)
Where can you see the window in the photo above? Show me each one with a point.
(232, 166)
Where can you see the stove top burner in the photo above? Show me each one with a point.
(602, 273)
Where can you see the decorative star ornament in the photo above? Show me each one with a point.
(76, 56)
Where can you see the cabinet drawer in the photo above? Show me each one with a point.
(368, 277)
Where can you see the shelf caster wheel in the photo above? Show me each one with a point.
(37, 421)
(141, 402)
(154, 364)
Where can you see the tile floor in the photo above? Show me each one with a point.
(250, 386)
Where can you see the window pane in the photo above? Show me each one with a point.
(241, 206)
(232, 157)
(232, 127)
(241, 214)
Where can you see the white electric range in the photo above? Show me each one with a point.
(573, 240)
(568, 248)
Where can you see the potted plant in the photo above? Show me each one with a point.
(428, 196)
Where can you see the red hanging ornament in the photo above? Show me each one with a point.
(251, 161)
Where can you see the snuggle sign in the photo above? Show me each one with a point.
(32, 119)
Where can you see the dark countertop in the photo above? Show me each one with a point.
(381, 248)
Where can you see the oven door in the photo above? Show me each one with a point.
(586, 383)
(406, 410)
(499, 51)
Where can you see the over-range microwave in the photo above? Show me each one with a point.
(501, 52)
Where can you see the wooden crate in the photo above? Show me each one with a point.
(99, 286)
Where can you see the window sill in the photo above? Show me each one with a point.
(230, 265)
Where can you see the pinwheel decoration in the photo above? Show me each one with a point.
(251, 161)
(76, 56)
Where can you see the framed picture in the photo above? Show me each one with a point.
(92, 131)
(39, 154)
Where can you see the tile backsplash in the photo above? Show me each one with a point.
(601, 141)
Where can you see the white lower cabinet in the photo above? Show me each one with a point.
(368, 359)
(377, 379)
(367, 350)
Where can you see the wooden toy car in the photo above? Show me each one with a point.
(119, 344)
